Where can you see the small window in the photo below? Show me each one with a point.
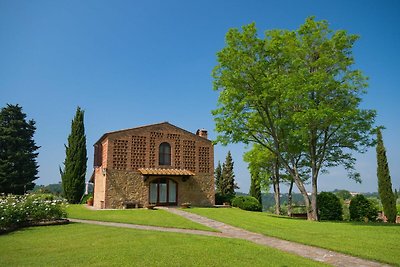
(165, 154)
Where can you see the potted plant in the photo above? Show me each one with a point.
(90, 201)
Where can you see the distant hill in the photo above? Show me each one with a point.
(55, 189)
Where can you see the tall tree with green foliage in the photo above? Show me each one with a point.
(18, 166)
(255, 186)
(261, 164)
(227, 183)
(73, 175)
(384, 181)
(297, 94)
(218, 177)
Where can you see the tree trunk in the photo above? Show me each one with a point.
(300, 185)
(314, 175)
(277, 198)
(289, 208)
(277, 192)
(314, 204)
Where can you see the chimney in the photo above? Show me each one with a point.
(202, 133)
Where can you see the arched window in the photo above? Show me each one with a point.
(164, 156)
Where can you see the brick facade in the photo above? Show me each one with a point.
(119, 157)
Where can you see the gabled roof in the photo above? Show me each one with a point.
(145, 126)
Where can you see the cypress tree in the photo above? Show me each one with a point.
(73, 175)
(18, 166)
(384, 181)
(228, 185)
(218, 177)
(255, 186)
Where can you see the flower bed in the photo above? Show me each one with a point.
(26, 210)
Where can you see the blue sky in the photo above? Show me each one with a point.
(130, 63)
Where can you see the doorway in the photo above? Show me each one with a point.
(163, 192)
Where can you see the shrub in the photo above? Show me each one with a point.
(246, 203)
(345, 209)
(329, 207)
(221, 199)
(361, 209)
(18, 211)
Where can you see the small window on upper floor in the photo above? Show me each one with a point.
(164, 156)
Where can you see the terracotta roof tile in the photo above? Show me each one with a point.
(155, 171)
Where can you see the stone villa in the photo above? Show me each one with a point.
(157, 164)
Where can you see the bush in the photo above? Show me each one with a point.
(361, 209)
(18, 211)
(221, 199)
(329, 207)
(247, 203)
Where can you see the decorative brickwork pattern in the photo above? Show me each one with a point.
(120, 154)
(138, 152)
(189, 155)
(153, 157)
(177, 153)
(204, 159)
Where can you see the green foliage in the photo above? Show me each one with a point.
(55, 189)
(284, 209)
(329, 207)
(73, 175)
(343, 194)
(361, 209)
(345, 209)
(227, 183)
(255, 187)
(384, 181)
(17, 211)
(261, 162)
(222, 199)
(18, 166)
(295, 93)
(86, 197)
(247, 203)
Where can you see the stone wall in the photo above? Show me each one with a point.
(125, 186)
(129, 186)
(198, 190)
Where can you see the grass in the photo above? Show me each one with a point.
(376, 241)
(92, 245)
(134, 216)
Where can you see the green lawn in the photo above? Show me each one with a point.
(371, 241)
(134, 216)
(93, 245)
